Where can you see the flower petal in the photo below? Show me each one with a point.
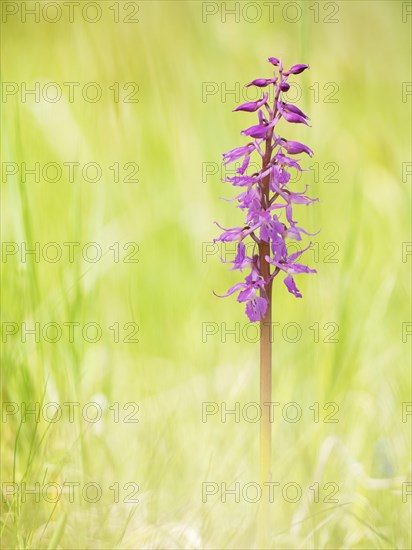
(232, 290)
(291, 286)
(256, 308)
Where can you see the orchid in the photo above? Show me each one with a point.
(268, 203)
(268, 199)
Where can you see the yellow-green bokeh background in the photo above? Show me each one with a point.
(171, 133)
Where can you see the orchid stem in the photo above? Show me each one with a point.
(265, 370)
(265, 423)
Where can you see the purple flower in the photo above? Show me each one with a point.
(252, 106)
(228, 235)
(294, 232)
(252, 196)
(279, 177)
(289, 107)
(287, 161)
(237, 153)
(255, 305)
(261, 82)
(258, 131)
(268, 199)
(299, 198)
(289, 266)
(295, 148)
(241, 260)
(241, 180)
(296, 69)
(291, 116)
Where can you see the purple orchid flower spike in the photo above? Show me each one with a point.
(267, 199)
(268, 203)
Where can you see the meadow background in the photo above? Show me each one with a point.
(183, 58)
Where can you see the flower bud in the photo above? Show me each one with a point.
(295, 147)
(297, 69)
(252, 106)
(258, 131)
(293, 117)
(291, 109)
(261, 82)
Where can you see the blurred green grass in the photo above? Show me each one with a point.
(170, 133)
